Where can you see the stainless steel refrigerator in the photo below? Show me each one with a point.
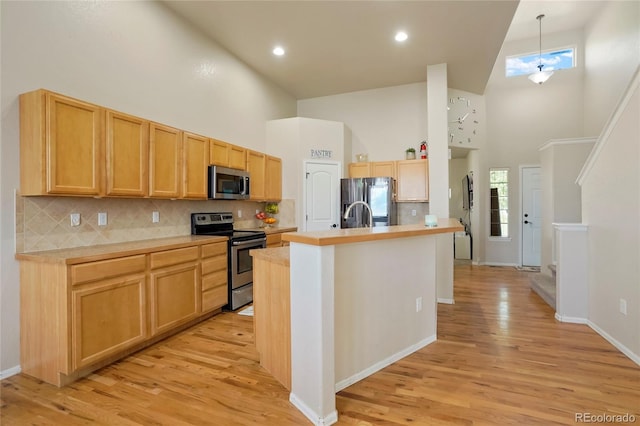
(378, 193)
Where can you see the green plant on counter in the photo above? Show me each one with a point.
(271, 208)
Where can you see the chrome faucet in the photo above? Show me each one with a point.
(346, 213)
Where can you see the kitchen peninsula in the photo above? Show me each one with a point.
(360, 299)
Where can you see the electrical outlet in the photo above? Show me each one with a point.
(418, 304)
(239, 213)
(155, 217)
(102, 219)
(75, 219)
(413, 212)
(623, 306)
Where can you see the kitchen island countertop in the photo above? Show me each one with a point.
(358, 235)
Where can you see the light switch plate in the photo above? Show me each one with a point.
(155, 217)
(102, 219)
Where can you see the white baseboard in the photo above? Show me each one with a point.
(383, 363)
(573, 320)
(446, 301)
(10, 372)
(622, 348)
(311, 414)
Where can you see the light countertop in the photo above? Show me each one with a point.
(84, 254)
(279, 255)
(357, 235)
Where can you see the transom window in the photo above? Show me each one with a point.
(552, 60)
(499, 202)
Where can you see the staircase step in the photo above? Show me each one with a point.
(545, 287)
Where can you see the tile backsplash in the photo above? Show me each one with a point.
(44, 223)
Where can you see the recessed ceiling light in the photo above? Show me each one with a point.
(401, 36)
(278, 51)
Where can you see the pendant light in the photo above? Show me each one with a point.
(540, 76)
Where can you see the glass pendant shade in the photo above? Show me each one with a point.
(540, 76)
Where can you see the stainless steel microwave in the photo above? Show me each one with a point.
(228, 184)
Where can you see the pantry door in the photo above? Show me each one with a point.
(321, 195)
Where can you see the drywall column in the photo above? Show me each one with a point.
(437, 129)
(572, 285)
(312, 332)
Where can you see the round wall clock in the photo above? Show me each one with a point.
(463, 121)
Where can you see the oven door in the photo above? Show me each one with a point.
(242, 263)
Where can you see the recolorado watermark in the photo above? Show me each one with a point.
(604, 418)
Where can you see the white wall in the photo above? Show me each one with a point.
(384, 122)
(521, 116)
(610, 209)
(135, 57)
(612, 48)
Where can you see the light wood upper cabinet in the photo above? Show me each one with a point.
(219, 153)
(359, 170)
(228, 155)
(165, 167)
(61, 145)
(413, 180)
(383, 169)
(273, 179)
(256, 166)
(237, 157)
(127, 155)
(195, 163)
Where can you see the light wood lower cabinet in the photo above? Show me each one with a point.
(81, 316)
(108, 316)
(214, 276)
(175, 288)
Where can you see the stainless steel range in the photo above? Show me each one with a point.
(239, 263)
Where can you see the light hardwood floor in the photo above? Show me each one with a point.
(500, 359)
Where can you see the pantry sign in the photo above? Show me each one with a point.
(321, 153)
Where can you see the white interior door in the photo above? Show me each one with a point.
(531, 216)
(322, 196)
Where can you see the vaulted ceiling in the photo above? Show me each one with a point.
(344, 46)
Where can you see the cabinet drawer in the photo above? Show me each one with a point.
(216, 249)
(214, 298)
(214, 264)
(173, 257)
(215, 279)
(107, 269)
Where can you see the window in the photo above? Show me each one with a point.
(499, 202)
(551, 59)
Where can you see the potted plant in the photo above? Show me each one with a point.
(410, 154)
